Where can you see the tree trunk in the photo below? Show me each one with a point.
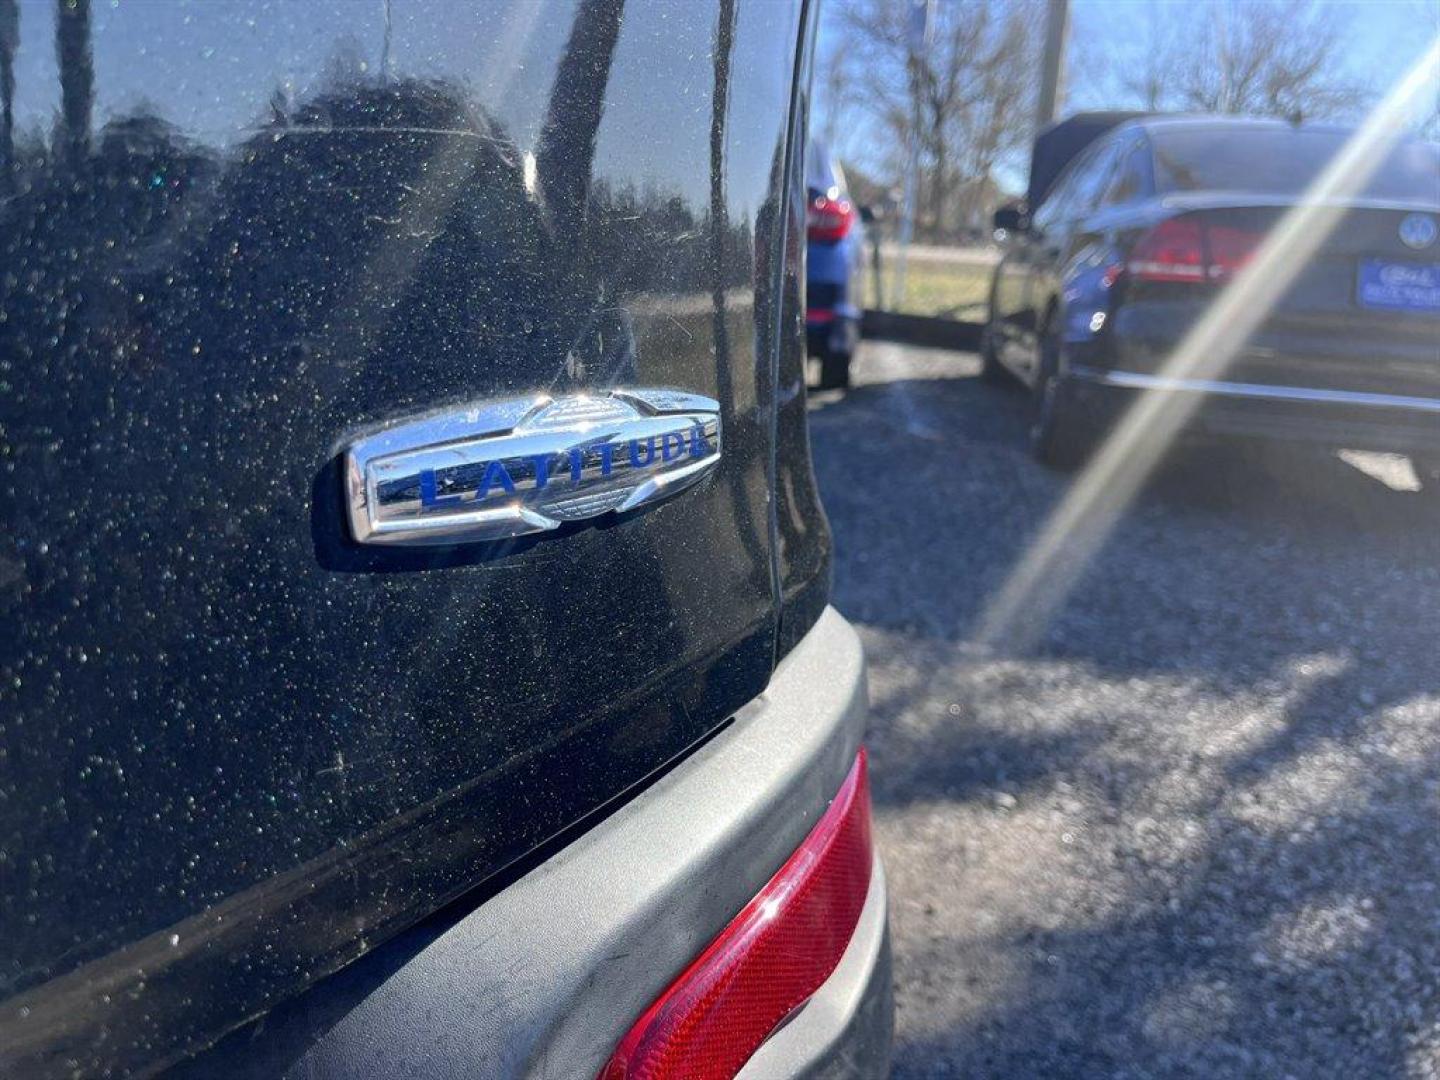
(9, 42)
(77, 78)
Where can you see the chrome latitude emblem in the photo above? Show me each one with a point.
(526, 465)
(1418, 230)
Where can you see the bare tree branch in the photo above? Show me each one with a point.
(966, 98)
(1281, 58)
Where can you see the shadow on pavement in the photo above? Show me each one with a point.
(1194, 833)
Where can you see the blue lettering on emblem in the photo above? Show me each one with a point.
(495, 472)
(638, 460)
(508, 468)
(429, 492)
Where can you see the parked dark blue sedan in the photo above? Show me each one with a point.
(1134, 226)
(835, 267)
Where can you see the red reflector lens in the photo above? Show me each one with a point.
(828, 219)
(767, 962)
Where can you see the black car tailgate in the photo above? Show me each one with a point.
(240, 748)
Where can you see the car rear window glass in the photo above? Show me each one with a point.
(1281, 161)
(1130, 179)
(1093, 180)
(1069, 196)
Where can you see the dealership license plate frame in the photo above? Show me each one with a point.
(1419, 295)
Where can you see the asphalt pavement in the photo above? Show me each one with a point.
(1196, 831)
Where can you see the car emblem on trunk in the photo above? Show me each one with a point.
(508, 468)
(1418, 230)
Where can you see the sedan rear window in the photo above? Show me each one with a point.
(1281, 161)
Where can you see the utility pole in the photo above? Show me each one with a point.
(922, 20)
(1052, 67)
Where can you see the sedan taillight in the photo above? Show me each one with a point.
(1229, 249)
(1188, 250)
(767, 962)
(828, 218)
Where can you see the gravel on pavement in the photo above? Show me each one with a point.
(1196, 831)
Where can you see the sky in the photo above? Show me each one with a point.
(1384, 38)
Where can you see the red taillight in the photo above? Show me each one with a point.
(767, 962)
(828, 219)
(1230, 249)
(1184, 249)
(1172, 251)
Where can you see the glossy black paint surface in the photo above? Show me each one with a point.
(802, 544)
(239, 750)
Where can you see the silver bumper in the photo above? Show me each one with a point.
(1257, 391)
(545, 977)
